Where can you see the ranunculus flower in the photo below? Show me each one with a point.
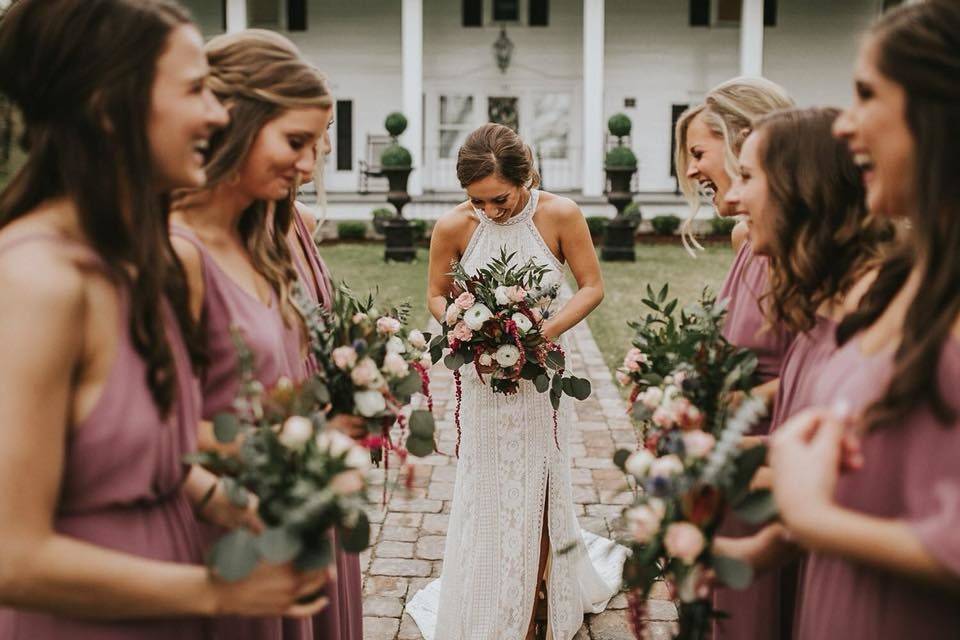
(698, 443)
(507, 355)
(623, 377)
(651, 397)
(348, 482)
(395, 345)
(638, 463)
(465, 300)
(634, 359)
(666, 467)
(369, 403)
(523, 322)
(296, 431)
(417, 339)
(462, 332)
(388, 325)
(516, 293)
(359, 318)
(662, 418)
(684, 541)
(643, 523)
(395, 365)
(452, 314)
(344, 357)
(485, 360)
(476, 315)
(500, 293)
(334, 442)
(365, 374)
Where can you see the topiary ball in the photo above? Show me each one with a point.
(619, 125)
(395, 156)
(396, 123)
(621, 158)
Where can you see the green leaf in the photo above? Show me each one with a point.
(237, 495)
(732, 572)
(436, 353)
(421, 424)
(316, 557)
(756, 507)
(409, 385)
(663, 293)
(279, 544)
(226, 426)
(556, 360)
(620, 458)
(234, 556)
(454, 360)
(356, 538)
(555, 399)
(580, 388)
(542, 383)
(420, 447)
(530, 370)
(318, 390)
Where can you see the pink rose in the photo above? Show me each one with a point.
(662, 418)
(643, 523)
(698, 443)
(388, 325)
(692, 418)
(462, 332)
(347, 482)
(623, 377)
(452, 314)
(395, 365)
(465, 300)
(365, 373)
(516, 293)
(634, 359)
(344, 357)
(651, 397)
(684, 541)
(665, 467)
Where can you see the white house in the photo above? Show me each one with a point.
(564, 67)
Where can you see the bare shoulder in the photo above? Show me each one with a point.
(43, 280)
(455, 222)
(188, 253)
(559, 208)
(307, 215)
(739, 235)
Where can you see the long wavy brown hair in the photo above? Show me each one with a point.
(823, 236)
(258, 75)
(918, 47)
(72, 66)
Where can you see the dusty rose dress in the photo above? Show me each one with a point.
(754, 611)
(343, 618)
(911, 473)
(278, 352)
(122, 476)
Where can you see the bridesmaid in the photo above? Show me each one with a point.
(239, 266)
(884, 557)
(708, 143)
(98, 403)
(804, 204)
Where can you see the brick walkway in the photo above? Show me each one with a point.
(409, 534)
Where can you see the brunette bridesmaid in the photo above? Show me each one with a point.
(99, 403)
(884, 556)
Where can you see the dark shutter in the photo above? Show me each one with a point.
(296, 15)
(539, 13)
(473, 13)
(770, 13)
(506, 10)
(344, 119)
(699, 13)
(223, 14)
(675, 112)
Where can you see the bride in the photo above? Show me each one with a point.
(508, 573)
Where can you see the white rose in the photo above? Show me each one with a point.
(685, 541)
(476, 315)
(334, 442)
(643, 523)
(347, 483)
(394, 365)
(426, 361)
(395, 345)
(369, 403)
(502, 295)
(296, 431)
(523, 322)
(365, 374)
(452, 314)
(651, 397)
(358, 458)
(638, 463)
(485, 360)
(507, 355)
(417, 339)
(665, 467)
(698, 443)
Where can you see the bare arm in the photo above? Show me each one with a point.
(445, 242)
(739, 235)
(42, 306)
(577, 248)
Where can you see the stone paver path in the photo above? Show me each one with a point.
(409, 533)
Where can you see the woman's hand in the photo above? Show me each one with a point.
(272, 590)
(221, 511)
(353, 426)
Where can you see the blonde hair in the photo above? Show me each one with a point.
(258, 75)
(728, 110)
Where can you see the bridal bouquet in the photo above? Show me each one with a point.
(308, 479)
(372, 366)
(685, 381)
(494, 321)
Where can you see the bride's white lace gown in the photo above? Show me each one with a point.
(508, 465)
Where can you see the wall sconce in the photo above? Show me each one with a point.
(503, 50)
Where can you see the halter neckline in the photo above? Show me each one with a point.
(525, 214)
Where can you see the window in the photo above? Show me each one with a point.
(727, 12)
(675, 112)
(264, 14)
(550, 129)
(539, 13)
(890, 4)
(504, 110)
(506, 10)
(296, 15)
(473, 13)
(456, 121)
(344, 118)
(699, 13)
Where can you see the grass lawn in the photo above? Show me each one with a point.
(362, 266)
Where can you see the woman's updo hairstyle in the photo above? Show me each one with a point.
(495, 149)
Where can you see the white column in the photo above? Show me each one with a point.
(236, 15)
(593, 121)
(412, 138)
(751, 38)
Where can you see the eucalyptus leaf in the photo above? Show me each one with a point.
(580, 388)
(756, 507)
(225, 427)
(454, 361)
(237, 495)
(542, 383)
(556, 360)
(555, 399)
(420, 447)
(733, 572)
(357, 538)
(620, 458)
(422, 424)
(234, 556)
(279, 544)
(318, 556)
(411, 384)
